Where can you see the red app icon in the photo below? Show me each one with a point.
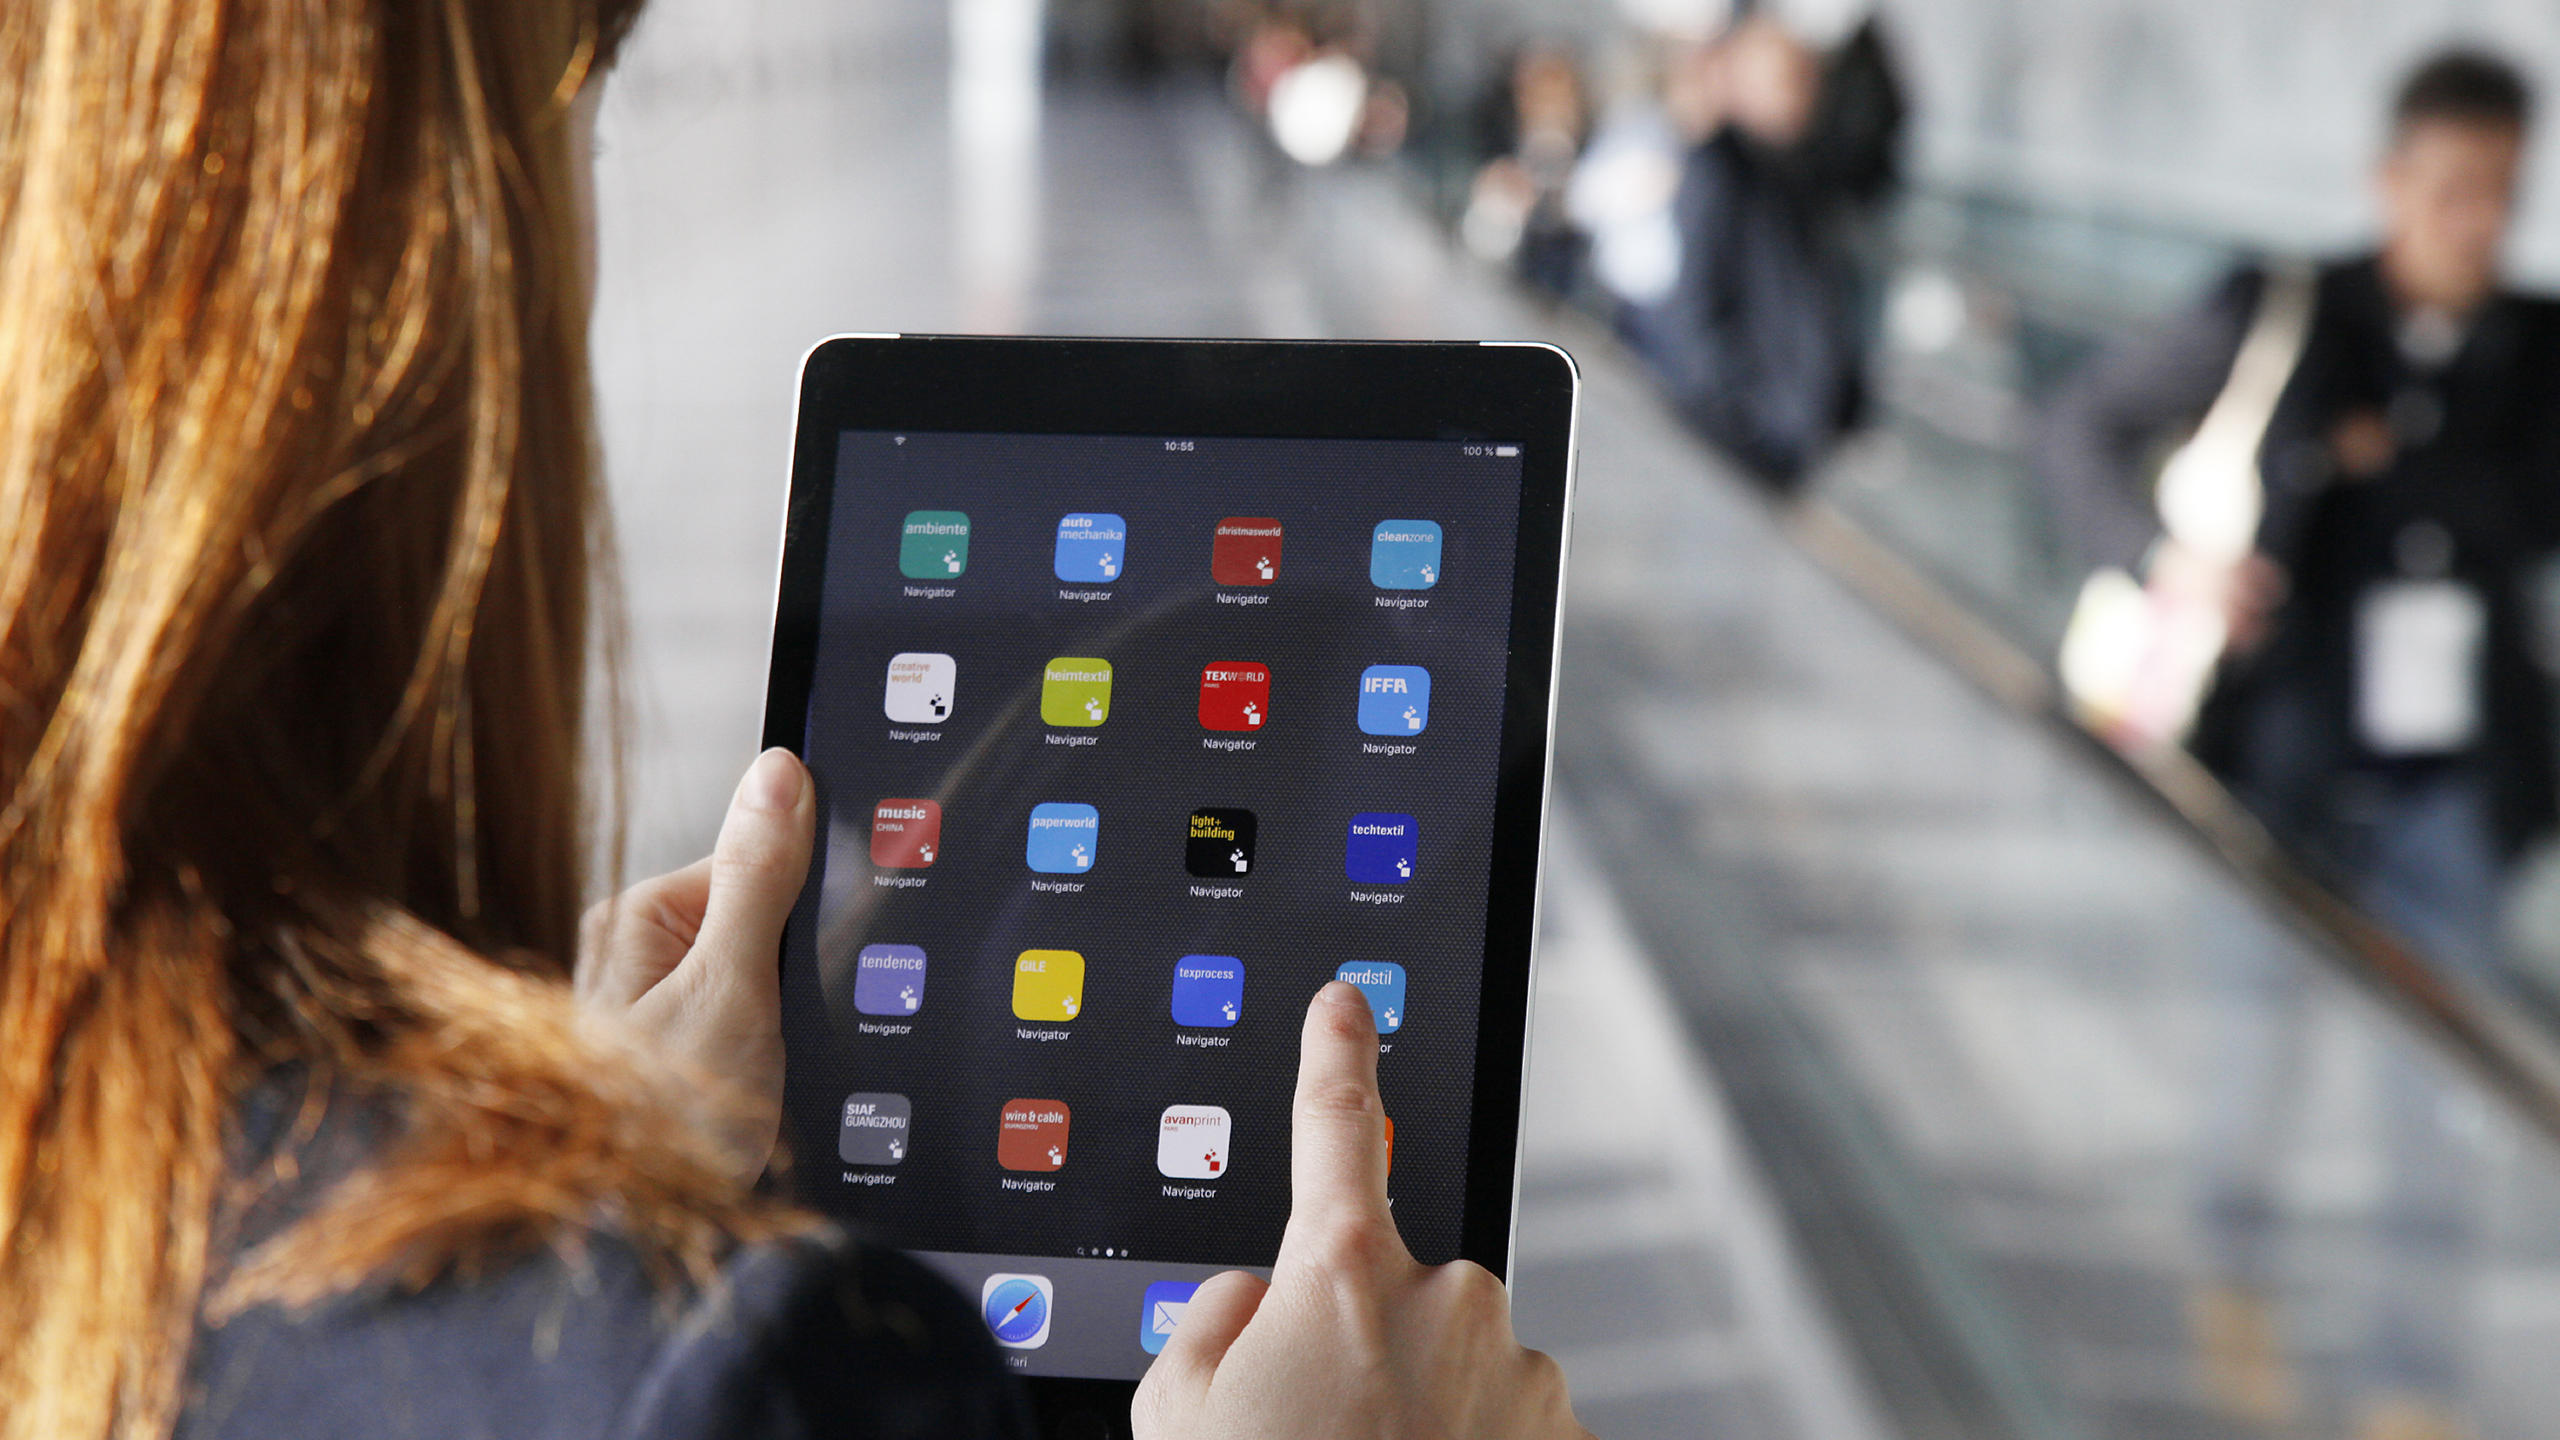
(905, 834)
(1032, 1135)
(1235, 695)
(1245, 551)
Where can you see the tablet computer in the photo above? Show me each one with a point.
(1148, 686)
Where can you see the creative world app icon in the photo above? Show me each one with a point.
(889, 979)
(1048, 985)
(1064, 840)
(1219, 844)
(1395, 700)
(1208, 991)
(1380, 848)
(1032, 1135)
(933, 545)
(1017, 1310)
(1405, 555)
(1235, 695)
(1383, 982)
(1191, 1142)
(874, 1129)
(920, 688)
(905, 834)
(1092, 548)
(1245, 551)
(1161, 1312)
(1075, 691)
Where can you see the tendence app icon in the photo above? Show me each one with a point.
(1383, 983)
(1075, 692)
(1091, 547)
(1208, 991)
(1219, 844)
(1017, 1310)
(920, 688)
(875, 1129)
(889, 980)
(1405, 555)
(1032, 1135)
(933, 545)
(1245, 551)
(1380, 848)
(1048, 985)
(1064, 839)
(905, 834)
(1235, 695)
(1191, 1142)
(1395, 700)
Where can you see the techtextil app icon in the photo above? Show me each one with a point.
(889, 979)
(905, 834)
(1395, 700)
(1075, 691)
(1017, 1310)
(1064, 840)
(1235, 695)
(1383, 982)
(1048, 985)
(1405, 555)
(1161, 1312)
(1208, 991)
(1380, 848)
(1218, 844)
(1191, 1142)
(933, 545)
(1032, 1135)
(1245, 551)
(874, 1129)
(920, 688)
(1092, 548)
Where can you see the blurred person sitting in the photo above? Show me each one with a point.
(2379, 704)
(1533, 124)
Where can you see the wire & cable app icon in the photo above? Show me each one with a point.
(1219, 844)
(1395, 699)
(1245, 551)
(1075, 691)
(933, 545)
(1091, 547)
(920, 688)
(905, 834)
(1380, 848)
(1405, 555)
(1048, 985)
(1235, 695)
(1064, 840)
(1191, 1142)
(1032, 1135)
(1017, 1310)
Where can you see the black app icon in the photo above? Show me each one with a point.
(1220, 845)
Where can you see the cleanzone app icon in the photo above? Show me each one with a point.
(920, 688)
(933, 545)
(1017, 1310)
(1395, 700)
(874, 1131)
(1208, 991)
(889, 979)
(1405, 555)
(1075, 691)
(1092, 548)
(1191, 1142)
(1165, 1302)
(1064, 839)
(1383, 982)
(1219, 844)
(1380, 848)
(1048, 985)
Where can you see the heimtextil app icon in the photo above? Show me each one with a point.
(920, 688)
(1405, 555)
(1092, 548)
(889, 979)
(933, 545)
(1219, 844)
(1075, 691)
(1395, 700)
(1208, 991)
(1380, 848)
(874, 1129)
(1191, 1142)
(1245, 551)
(1064, 840)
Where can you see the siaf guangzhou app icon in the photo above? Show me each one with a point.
(1017, 1310)
(1235, 695)
(1395, 700)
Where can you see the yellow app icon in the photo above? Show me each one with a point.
(1075, 691)
(1048, 985)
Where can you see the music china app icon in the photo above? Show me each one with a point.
(1219, 845)
(905, 834)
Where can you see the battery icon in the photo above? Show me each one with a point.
(1506, 452)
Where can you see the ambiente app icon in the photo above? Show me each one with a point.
(1405, 555)
(905, 834)
(1092, 548)
(874, 1129)
(889, 979)
(1064, 840)
(1245, 551)
(1395, 699)
(1191, 1142)
(1075, 691)
(1383, 982)
(933, 545)
(1208, 991)
(920, 688)
(1048, 985)
(1219, 844)
(1032, 1135)
(1380, 848)
(1235, 695)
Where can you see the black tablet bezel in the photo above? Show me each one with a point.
(1513, 393)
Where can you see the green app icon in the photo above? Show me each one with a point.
(1075, 691)
(934, 545)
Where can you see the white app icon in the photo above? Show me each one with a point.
(920, 689)
(1191, 1142)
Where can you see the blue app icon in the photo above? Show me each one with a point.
(1395, 699)
(1403, 555)
(1017, 1310)
(1064, 839)
(1092, 547)
(1161, 1312)
(1208, 991)
(1380, 848)
(889, 980)
(1383, 982)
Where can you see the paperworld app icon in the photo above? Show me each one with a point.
(889, 980)
(905, 834)
(1245, 551)
(875, 1129)
(1165, 1302)
(1405, 555)
(1235, 695)
(1032, 1135)
(1208, 991)
(1383, 983)
(933, 545)
(1380, 848)
(1395, 700)
(1017, 1310)
(1075, 691)
(1048, 985)
(1091, 548)
(1191, 1142)
(920, 689)
(1064, 839)
(1219, 844)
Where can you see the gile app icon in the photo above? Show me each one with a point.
(1395, 699)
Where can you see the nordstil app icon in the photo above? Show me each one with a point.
(920, 689)
(1064, 840)
(1075, 691)
(1091, 547)
(1245, 551)
(1405, 555)
(1165, 1302)
(1191, 1142)
(1017, 1310)
(1219, 845)
(1048, 985)
(889, 979)
(905, 834)
(933, 545)
(1032, 1135)
(1208, 991)
(1380, 848)
(1395, 699)
(874, 1129)
(1383, 983)
(1235, 695)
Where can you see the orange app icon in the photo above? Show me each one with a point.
(1032, 1135)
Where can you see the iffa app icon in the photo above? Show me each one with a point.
(1395, 700)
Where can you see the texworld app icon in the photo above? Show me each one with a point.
(1395, 699)
(1191, 1142)
(1245, 551)
(1091, 547)
(889, 979)
(1032, 1135)
(1017, 1310)
(1383, 983)
(1048, 985)
(874, 1130)
(1235, 695)
(1075, 691)
(1208, 991)
(1380, 848)
(1064, 840)
(1219, 844)
(905, 834)
(1165, 1302)
(1405, 555)
(920, 689)
(933, 545)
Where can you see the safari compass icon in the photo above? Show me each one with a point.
(1017, 1310)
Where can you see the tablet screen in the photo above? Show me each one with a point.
(1126, 745)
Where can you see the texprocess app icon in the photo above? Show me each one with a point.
(1219, 844)
(933, 545)
(1235, 695)
(1017, 1310)
(1075, 691)
(1032, 1135)
(1208, 991)
(1191, 1142)
(1064, 839)
(1395, 699)
(1091, 547)
(1245, 551)
(1161, 1312)
(906, 834)
(889, 980)
(1383, 983)
(1048, 985)
(1405, 555)
(1380, 848)
(920, 689)
(874, 1131)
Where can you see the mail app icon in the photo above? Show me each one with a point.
(1166, 1300)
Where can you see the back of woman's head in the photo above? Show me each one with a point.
(297, 473)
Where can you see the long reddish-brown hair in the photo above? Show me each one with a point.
(297, 518)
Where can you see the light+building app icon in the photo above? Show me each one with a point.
(1395, 700)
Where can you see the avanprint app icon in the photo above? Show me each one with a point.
(920, 689)
(1075, 691)
(1064, 839)
(889, 980)
(1395, 699)
(1048, 985)
(1191, 1142)
(1380, 848)
(1383, 983)
(905, 834)
(1235, 695)
(1165, 1302)
(933, 545)
(1032, 1135)
(1208, 991)
(1091, 548)
(1219, 845)
(1405, 555)
(874, 1131)
(1017, 1310)
(1245, 551)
